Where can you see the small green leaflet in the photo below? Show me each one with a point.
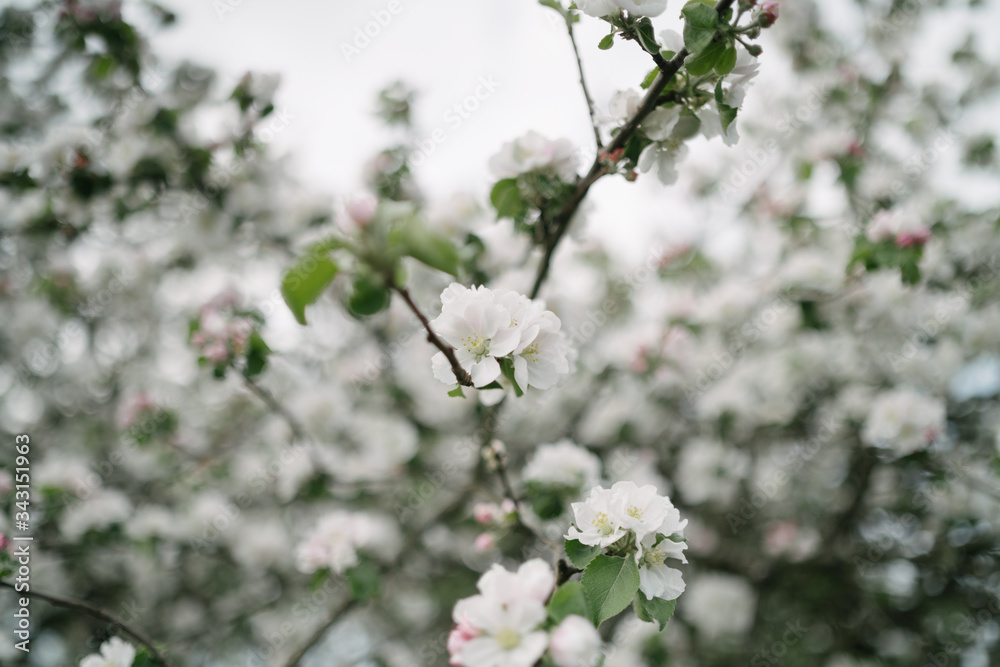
(507, 200)
(727, 114)
(704, 60)
(609, 584)
(580, 554)
(656, 610)
(568, 599)
(303, 284)
(700, 23)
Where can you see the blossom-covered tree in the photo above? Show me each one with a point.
(251, 425)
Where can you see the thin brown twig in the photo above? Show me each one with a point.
(583, 83)
(562, 217)
(449, 352)
(319, 632)
(96, 612)
(276, 407)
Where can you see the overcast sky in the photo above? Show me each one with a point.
(447, 50)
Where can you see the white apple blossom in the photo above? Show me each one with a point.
(608, 514)
(708, 471)
(564, 464)
(534, 152)
(656, 578)
(501, 627)
(660, 123)
(641, 510)
(600, 8)
(484, 325)
(575, 643)
(596, 521)
(478, 328)
(671, 40)
(720, 605)
(643, 7)
(541, 360)
(338, 538)
(116, 652)
(904, 420)
(533, 580)
(664, 157)
(624, 104)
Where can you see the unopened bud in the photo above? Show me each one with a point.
(361, 209)
(484, 542)
(768, 14)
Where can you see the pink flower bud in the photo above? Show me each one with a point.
(508, 506)
(768, 14)
(216, 352)
(3, 542)
(914, 238)
(484, 542)
(361, 209)
(485, 513)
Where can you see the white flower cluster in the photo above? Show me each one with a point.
(564, 464)
(116, 652)
(485, 326)
(904, 420)
(668, 150)
(502, 626)
(534, 152)
(637, 516)
(601, 8)
(338, 538)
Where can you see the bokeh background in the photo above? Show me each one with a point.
(829, 426)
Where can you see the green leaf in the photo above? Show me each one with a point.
(365, 581)
(580, 554)
(554, 4)
(703, 61)
(457, 392)
(507, 199)
(319, 578)
(656, 610)
(257, 353)
(727, 61)
(547, 505)
(143, 658)
(609, 584)
(727, 115)
(427, 246)
(507, 368)
(687, 126)
(700, 23)
(647, 36)
(101, 67)
(650, 78)
(606, 42)
(567, 600)
(305, 281)
(370, 296)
